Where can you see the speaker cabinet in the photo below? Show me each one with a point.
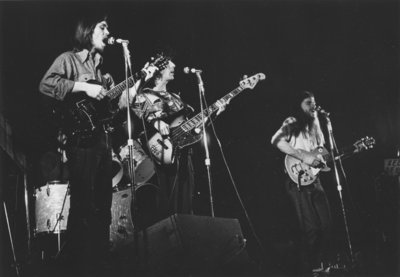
(188, 244)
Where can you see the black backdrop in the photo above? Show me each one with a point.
(346, 52)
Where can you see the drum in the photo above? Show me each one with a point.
(117, 170)
(52, 203)
(122, 228)
(144, 167)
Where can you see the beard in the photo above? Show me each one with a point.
(307, 119)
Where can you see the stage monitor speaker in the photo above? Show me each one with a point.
(191, 244)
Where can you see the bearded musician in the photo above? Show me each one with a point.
(303, 132)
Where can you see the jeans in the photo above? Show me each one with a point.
(314, 221)
(90, 203)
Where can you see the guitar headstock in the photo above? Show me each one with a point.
(365, 143)
(252, 81)
(160, 61)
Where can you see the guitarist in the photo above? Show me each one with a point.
(161, 109)
(90, 163)
(310, 202)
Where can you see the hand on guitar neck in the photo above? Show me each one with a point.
(145, 74)
(305, 166)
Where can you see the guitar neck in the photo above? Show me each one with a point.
(346, 152)
(118, 89)
(197, 119)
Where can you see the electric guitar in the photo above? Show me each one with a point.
(83, 115)
(187, 132)
(307, 174)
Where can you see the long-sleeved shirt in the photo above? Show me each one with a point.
(153, 105)
(71, 67)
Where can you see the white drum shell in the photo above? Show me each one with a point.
(49, 200)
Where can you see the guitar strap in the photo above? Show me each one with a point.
(187, 109)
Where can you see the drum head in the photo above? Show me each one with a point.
(144, 166)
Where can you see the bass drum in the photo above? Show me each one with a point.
(52, 203)
(143, 165)
(123, 219)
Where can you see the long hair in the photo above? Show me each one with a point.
(304, 123)
(151, 83)
(84, 31)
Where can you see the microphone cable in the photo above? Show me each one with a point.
(250, 223)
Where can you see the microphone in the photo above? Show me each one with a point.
(188, 70)
(322, 111)
(112, 41)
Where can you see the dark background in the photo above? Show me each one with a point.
(346, 52)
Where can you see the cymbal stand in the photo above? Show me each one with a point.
(27, 212)
(205, 139)
(60, 216)
(11, 239)
(334, 151)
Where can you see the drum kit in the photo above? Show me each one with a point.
(52, 201)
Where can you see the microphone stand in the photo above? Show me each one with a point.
(333, 151)
(131, 166)
(134, 204)
(207, 159)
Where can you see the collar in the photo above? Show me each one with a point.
(84, 57)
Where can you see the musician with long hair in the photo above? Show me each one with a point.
(297, 137)
(89, 158)
(162, 109)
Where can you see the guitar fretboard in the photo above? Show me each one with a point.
(195, 121)
(118, 89)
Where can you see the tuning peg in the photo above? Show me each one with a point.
(244, 77)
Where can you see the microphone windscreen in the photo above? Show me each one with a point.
(111, 41)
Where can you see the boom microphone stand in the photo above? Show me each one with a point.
(334, 151)
(131, 165)
(207, 159)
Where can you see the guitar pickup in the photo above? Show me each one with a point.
(162, 144)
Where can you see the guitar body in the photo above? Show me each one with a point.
(308, 174)
(161, 148)
(164, 149)
(295, 168)
(82, 115)
(187, 132)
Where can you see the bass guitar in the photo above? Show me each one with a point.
(299, 171)
(184, 133)
(82, 115)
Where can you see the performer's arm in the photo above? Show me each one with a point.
(58, 81)
(281, 140)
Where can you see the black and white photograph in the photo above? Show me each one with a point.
(199, 138)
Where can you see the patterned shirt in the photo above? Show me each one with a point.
(154, 105)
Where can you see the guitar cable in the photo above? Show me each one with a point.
(346, 183)
(250, 223)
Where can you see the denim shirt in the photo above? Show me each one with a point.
(71, 67)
